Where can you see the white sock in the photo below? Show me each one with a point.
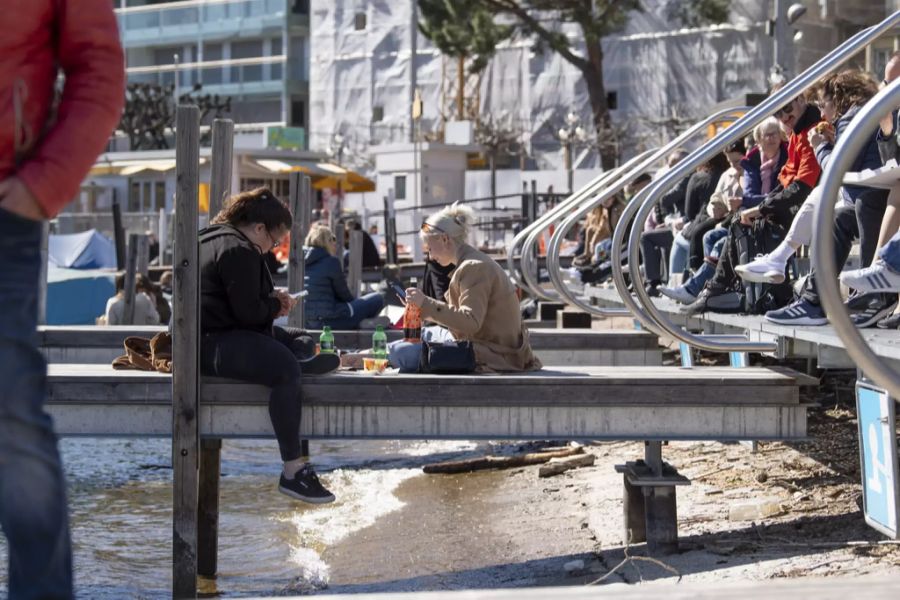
(291, 467)
(782, 253)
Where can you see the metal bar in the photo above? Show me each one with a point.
(733, 133)
(845, 152)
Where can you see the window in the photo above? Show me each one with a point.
(359, 21)
(134, 197)
(159, 195)
(300, 7)
(400, 187)
(377, 114)
(298, 113)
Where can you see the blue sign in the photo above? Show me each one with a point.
(878, 458)
(687, 357)
(738, 359)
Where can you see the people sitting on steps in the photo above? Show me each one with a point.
(238, 305)
(480, 304)
(145, 309)
(766, 222)
(330, 301)
(858, 214)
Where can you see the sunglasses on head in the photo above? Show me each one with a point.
(428, 228)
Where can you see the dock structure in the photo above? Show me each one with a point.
(651, 404)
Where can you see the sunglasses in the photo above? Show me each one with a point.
(785, 110)
(428, 229)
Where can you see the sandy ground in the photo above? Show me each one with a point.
(513, 529)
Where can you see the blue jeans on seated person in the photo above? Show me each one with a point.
(890, 253)
(678, 256)
(695, 284)
(711, 237)
(364, 307)
(405, 355)
(33, 511)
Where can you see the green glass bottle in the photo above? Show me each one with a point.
(326, 341)
(379, 342)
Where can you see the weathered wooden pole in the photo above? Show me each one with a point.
(354, 269)
(211, 449)
(143, 255)
(301, 210)
(390, 229)
(130, 279)
(118, 232)
(208, 507)
(222, 149)
(185, 352)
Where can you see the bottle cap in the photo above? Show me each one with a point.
(379, 328)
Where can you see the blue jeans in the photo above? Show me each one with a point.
(890, 253)
(405, 355)
(711, 237)
(33, 511)
(706, 271)
(678, 256)
(364, 307)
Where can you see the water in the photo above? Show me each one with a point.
(120, 497)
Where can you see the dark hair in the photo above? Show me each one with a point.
(718, 163)
(737, 146)
(255, 206)
(120, 282)
(642, 178)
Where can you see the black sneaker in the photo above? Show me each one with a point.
(715, 300)
(867, 309)
(320, 364)
(306, 487)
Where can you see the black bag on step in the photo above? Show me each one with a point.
(762, 238)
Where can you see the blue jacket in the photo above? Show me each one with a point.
(868, 157)
(753, 177)
(328, 292)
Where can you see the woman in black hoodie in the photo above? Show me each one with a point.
(238, 304)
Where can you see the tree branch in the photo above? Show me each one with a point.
(533, 26)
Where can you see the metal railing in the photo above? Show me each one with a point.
(543, 222)
(733, 133)
(609, 192)
(856, 136)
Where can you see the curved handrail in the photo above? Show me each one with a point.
(530, 270)
(825, 65)
(563, 229)
(544, 220)
(845, 152)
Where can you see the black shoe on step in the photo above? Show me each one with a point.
(320, 364)
(892, 322)
(306, 487)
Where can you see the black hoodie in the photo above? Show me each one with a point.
(235, 284)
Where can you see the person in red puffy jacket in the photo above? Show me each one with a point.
(48, 142)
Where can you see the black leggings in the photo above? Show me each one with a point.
(266, 360)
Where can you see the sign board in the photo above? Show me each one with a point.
(878, 458)
(738, 359)
(687, 355)
(288, 138)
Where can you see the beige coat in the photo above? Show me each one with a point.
(481, 306)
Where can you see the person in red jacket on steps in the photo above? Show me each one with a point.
(46, 149)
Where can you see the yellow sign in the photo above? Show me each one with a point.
(203, 197)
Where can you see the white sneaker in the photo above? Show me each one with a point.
(877, 278)
(761, 270)
(678, 294)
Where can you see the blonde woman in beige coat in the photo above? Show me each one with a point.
(480, 304)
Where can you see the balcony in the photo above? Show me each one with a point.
(235, 77)
(174, 22)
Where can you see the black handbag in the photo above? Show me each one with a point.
(452, 358)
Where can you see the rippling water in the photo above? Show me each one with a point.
(120, 498)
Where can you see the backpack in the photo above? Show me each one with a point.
(762, 238)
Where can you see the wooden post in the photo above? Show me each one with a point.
(337, 228)
(390, 229)
(354, 270)
(208, 507)
(162, 234)
(143, 255)
(633, 506)
(222, 148)
(118, 233)
(185, 346)
(130, 279)
(301, 210)
(662, 519)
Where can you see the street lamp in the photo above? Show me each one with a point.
(783, 41)
(568, 135)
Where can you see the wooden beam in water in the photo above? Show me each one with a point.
(185, 346)
(208, 508)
